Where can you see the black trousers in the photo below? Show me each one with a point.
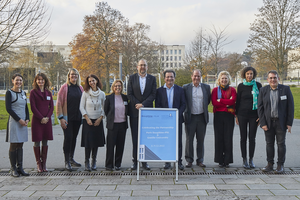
(223, 128)
(275, 131)
(134, 137)
(248, 128)
(70, 137)
(196, 127)
(115, 139)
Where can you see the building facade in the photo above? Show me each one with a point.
(172, 57)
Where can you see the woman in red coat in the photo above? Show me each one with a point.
(41, 126)
(223, 99)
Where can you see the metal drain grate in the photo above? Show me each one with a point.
(152, 173)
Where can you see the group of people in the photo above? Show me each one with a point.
(271, 107)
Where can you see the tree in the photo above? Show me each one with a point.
(275, 31)
(22, 21)
(234, 65)
(198, 54)
(98, 44)
(217, 39)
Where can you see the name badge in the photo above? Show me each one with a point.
(283, 97)
(252, 92)
(125, 103)
(24, 97)
(48, 98)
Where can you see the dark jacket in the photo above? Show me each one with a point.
(161, 100)
(135, 96)
(285, 106)
(109, 109)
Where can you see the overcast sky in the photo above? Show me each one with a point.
(171, 21)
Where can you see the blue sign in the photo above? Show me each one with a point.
(158, 134)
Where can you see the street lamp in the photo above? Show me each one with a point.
(120, 65)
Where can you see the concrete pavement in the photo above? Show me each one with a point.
(211, 182)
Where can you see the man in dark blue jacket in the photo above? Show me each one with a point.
(172, 96)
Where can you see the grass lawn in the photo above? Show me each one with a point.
(4, 115)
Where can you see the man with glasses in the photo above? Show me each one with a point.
(171, 95)
(276, 114)
(141, 92)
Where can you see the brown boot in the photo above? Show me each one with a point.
(44, 157)
(37, 154)
(279, 169)
(268, 168)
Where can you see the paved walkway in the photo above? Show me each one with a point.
(211, 182)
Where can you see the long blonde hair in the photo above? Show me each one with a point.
(78, 82)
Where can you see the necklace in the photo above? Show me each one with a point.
(93, 102)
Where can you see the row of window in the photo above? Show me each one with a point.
(171, 65)
(171, 58)
(171, 51)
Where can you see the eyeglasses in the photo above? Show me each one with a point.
(142, 65)
(118, 86)
(273, 78)
(73, 74)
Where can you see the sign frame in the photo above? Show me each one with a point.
(144, 113)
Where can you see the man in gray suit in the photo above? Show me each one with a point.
(197, 97)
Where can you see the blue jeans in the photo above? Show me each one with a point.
(275, 132)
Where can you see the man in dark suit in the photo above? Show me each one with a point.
(141, 92)
(172, 96)
(196, 117)
(275, 109)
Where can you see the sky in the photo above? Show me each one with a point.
(172, 22)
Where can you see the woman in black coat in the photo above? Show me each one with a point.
(115, 108)
(246, 113)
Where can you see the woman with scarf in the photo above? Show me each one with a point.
(91, 108)
(246, 113)
(223, 99)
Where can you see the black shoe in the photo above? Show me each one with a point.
(109, 169)
(20, 163)
(134, 166)
(245, 164)
(167, 165)
(68, 166)
(13, 160)
(189, 165)
(221, 165)
(279, 169)
(251, 164)
(268, 168)
(87, 166)
(74, 163)
(94, 167)
(146, 166)
(180, 166)
(118, 168)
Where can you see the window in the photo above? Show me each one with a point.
(175, 64)
(163, 65)
(171, 64)
(162, 58)
(167, 58)
(162, 52)
(175, 58)
(175, 52)
(179, 58)
(179, 52)
(171, 51)
(179, 64)
(167, 51)
(167, 65)
(171, 58)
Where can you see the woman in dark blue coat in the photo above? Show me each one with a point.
(115, 108)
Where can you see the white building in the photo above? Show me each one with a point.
(172, 57)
